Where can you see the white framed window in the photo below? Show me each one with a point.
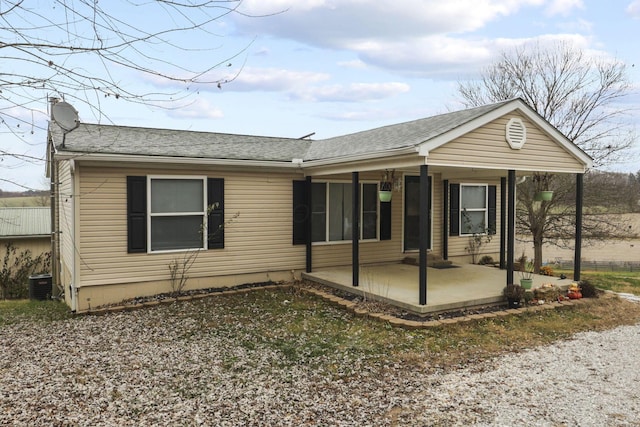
(473, 209)
(332, 211)
(176, 213)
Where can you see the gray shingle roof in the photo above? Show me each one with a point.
(20, 222)
(107, 139)
(401, 135)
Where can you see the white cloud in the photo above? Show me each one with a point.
(563, 7)
(446, 57)
(196, 109)
(579, 25)
(634, 9)
(428, 38)
(355, 92)
(333, 23)
(361, 115)
(355, 64)
(272, 79)
(245, 80)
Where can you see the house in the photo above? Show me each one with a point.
(26, 228)
(130, 201)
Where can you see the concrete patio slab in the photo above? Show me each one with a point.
(462, 286)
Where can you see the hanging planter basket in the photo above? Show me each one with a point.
(385, 191)
(385, 196)
(543, 196)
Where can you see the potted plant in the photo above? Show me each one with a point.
(386, 185)
(514, 294)
(526, 274)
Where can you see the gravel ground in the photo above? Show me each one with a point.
(161, 367)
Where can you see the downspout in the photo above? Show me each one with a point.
(53, 200)
(53, 172)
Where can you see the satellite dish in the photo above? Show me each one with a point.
(65, 116)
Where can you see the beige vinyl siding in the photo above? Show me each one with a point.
(326, 255)
(487, 147)
(340, 253)
(436, 212)
(458, 244)
(259, 239)
(65, 219)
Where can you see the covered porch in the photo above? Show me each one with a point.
(465, 285)
(457, 176)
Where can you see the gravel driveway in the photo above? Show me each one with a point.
(159, 367)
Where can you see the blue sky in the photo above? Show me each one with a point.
(339, 66)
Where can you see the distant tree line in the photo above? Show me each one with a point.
(612, 192)
(24, 198)
(30, 193)
(604, 193)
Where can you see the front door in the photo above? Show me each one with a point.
(412, 213)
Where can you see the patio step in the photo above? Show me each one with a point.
(433, 260)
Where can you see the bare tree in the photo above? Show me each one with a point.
(85, 51)
(579, 95)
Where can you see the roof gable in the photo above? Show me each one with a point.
(513, 106)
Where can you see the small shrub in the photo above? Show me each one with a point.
(17, 267)
(486, 260)
(528, 297)
(588, 290)
(513, 292)
(547, 292)
(546, 270)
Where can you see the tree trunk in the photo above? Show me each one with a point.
(537, 252)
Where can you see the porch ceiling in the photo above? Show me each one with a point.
(466, 285)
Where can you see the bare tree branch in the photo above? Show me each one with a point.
(581, 97)
(144, 52)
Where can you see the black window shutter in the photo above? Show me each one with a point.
(301, 212)
(385, 220)
(492, 210)
(454, 209)
(215, 205)
(136, 214)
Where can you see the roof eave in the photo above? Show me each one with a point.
(359, 157)
(132, 158)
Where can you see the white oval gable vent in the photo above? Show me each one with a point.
(516, 133)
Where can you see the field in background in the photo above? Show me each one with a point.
(24, 202)
(610, 250)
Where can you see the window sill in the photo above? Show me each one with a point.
(175, 251)
(342, 242)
